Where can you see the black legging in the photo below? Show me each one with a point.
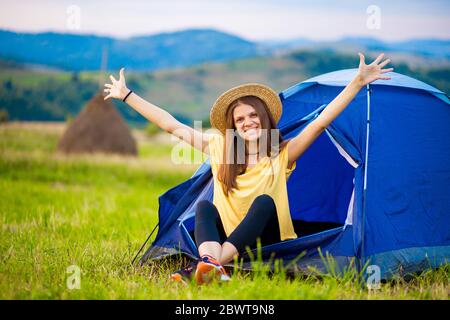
(261, 222)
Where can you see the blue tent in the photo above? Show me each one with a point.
(373, 189)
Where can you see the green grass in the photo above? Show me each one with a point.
(95, 212)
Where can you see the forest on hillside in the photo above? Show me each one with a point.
(32, 94)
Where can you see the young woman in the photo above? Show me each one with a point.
(250, 163)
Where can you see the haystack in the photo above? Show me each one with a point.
(98, 128)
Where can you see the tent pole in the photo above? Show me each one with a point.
(366, 165)
(151, 233)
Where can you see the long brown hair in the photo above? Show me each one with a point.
(234, 162)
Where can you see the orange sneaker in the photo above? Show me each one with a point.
(208, 269)
(184, 275)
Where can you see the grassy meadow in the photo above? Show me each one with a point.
(95, 212)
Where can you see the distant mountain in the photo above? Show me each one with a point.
(286, 44)
(191, 47)
(165, 50)
(425, 47)
(428, 47)
(433, 48)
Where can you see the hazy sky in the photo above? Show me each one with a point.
(251, 19)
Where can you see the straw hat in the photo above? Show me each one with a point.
(268, 95)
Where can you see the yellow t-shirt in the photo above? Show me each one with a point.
(253, 182)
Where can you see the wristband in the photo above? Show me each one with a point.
(127, 95)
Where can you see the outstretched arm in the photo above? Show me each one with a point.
(155, 114)
(366, 74)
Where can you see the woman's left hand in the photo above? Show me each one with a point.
(368, 73)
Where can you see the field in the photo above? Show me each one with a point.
(95, 211)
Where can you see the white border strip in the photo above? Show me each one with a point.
(349, 218)
(342, 151)
(367, 137)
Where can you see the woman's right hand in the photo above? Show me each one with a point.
(118, 89)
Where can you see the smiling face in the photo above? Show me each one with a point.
(247, 122)
(251, 119)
